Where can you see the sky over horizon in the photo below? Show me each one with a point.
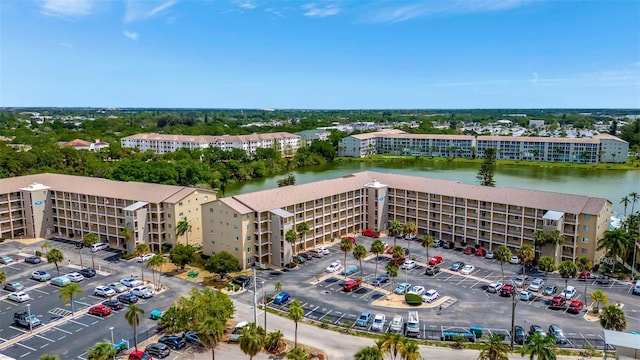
(445, 54)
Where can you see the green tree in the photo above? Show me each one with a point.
(616, 242)
(67, 292)
(612, 318)
(297, 354)
(377, 248)
(409, 228)
(211, 332)
(409, 350)
(101, 351)
(525, 253)
(291, 237)
(583, 263)
(189, 312)
(222, 263)
(494, 348)
(392, 270)
(347, 246)
(156, 263)
(427, 242)
(547, 264)
(296, 313)
(3, 277)
(539, 347)
(567, 269)
(302, 229)
(55, 256)
(277, 286)
(273, 341)
(181, 255)
(539, 240)
(90, 239)
(391, 344)
(625, 202)
(359, 252)
(368, 353)
(183, 228)
(48, 357)
(634, 198)
(599, 297)
(133, 319)
(503, 254)
(395, 229)
(252, 339)
(127, 234)
(141, 249)
(487, 169)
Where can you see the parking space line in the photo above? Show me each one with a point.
(79, 323)
(25, 346)
(340, 318)
(323, 316)
(64, 331)
(311, 311)
(42, 337)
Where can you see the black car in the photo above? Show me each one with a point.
(173, 341)
(87, 272)
(242, 280)
(556, 332)
(113, 304)
(299, 259)
(520, 336)
(381, 279)
(457, 266)
(603, 280)
(127, 298)
(307, 256)
(157, 349)
(192, 337)
(447, 245)
(406, 251)
(536, 329)
(33, 259)
(432, 270)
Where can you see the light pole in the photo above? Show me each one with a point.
(29, 317)
(513, 314)
(80, 252)
(264, 305)
(112, 342)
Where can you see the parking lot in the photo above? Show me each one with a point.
(467, 302)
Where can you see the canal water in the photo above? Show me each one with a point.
(609, 184)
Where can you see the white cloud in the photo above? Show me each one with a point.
(131, 35)
(247, 5)
(141, 10)
(65, 45)
(314, 10)
(66, 8)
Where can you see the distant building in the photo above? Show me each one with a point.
(79, 144)
(307, 136)
(534, 124)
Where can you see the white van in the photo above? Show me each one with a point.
(99, 246)
(236, 333)
(636, 288)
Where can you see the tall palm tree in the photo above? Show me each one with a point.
(347, 246)
(612, 318)
(427, 242)
(539, 347)
(155, 263)
(296, 313)
(539, 240)
(368, 353)
(277, 286)
(557, 239)
(127, 234)
(291, 237)
(45, 248)
(273, 341)
(297, 354)
(567, 269)
(625, 202)
(141, 249)
(67, 292)
(252, 339)
(503, 254)
(183, 228)
(495, 348)
(133, 318)
(391, 344)
(55, 256)
(3, 277)
(211, 331)
(599, 297)
(101, 351)
(525, 253)
(617, 242)
(409, 350)
(634, 198)
(48, 357)
(359, 252)
(392, 270)
(302, 229)
(90, 239)
(583, 263)
(547, 264)
(377, 248)
(394, 229)
(409, 228)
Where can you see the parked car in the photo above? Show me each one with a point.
(334, 266)
(144, 258)
(584, 275)
(550, 290)
(430, 296)
(603, 280)
(568, 293)
(6, 260)
(113, 304)
(193, 338)
(520, 336)
(494, 287)
(142, 292)
(316, 253)
(118, 287)
(467, 269)
(432, 270)
(236, 333)
(299, 259)
(402, 288)
(521, 280)
(127, 298)
(408, 265)
(437, 243)
(350, 269)
(40, 275)
(507, 290)
(351, 285)
(417, 290)
(435, 260)
(100, 310)
(456, 266)
(371, 233)
(173, 341)
(364, 319)
(490, 255)
(324, 250)
(526, 295)
(469, 250)
(158, 349)
(87, 272)
(60, 281)
(33, 259)
(99, 246)
(514, 260)
(448, 245)
(557, 302)
(242, 280)
(397, 324)
(23, 319)
(378, 322)
(75, 276)
(536, 285)
(381, 279)
(19, 296)
(481, 252)
(351, 238)
(130, 282)
(556, 332)
(530, 264)
(536, 329)
(139, 355)
(13, 286)
(307, 256)
(281, 298)
(104, 291)
(575, 307)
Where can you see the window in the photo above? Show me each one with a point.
(211, 210)
(169, 226)
(585, 227)
(249, 260)
(235, 215)
(583, 251)
(180, 203)
(168, 216)
(585, 240)
(248, 249)
(249, 238)
(236, 249)
(587, 216)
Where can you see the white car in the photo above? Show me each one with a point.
(494, 287)
(104, 291)
(514, 260)
(40, 275)
(324, 250)
(467, 269)
(408, 265)
(19, 297)
(418, 290)
(334, 266)
(490, 255)
(144, 258)
(117, 287)
(378, 322)
(75, 276)
(536, 284)
(430, 296)
(130, 282)
(568, 293)
(99, 246)
(142, 292)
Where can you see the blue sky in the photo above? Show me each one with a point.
(320, 54)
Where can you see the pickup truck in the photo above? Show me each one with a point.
(23, 319)
(413, 324)
(352, 284)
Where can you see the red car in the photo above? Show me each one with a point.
(351, 285)
(557, 302)
(139, 355)
(371, 233)
(469, 250)
(399, 261)
(435, 260)
(507, 290)
(575, 307)
(353, 240)
(481, 252)
(584, 275)
(100, 310)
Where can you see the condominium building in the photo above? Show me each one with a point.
(287, 143)
(122, 214)
(253, 226)
(601, 148)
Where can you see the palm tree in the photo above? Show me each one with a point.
(616, 242)
(539, 347)
(495, 348)
(210, 333)
(347, 246)
(583, 263)
(156, 263)
(547, 264)
(127, 234)
(409, 350)
(252, 340)
(48, 357)
(67, 292)
(539, 240)
(613, 318)
(525, 253)
(133, 318)
(296, 313)
(410, 229)
(298, 354)
(55, 256)
(3, 277)
(427, 242)
(45, 248)
(273, 341)
(277, 286)
(141, 249)
(391, 344)
(392, 270)
(557, 239)
(377, 248)
(183, 228)
(567, 269)
(302, 229)
(599, 297)
(291, 236)
(503, 254)
(625, 202)
(634, 198)
(368, 353)
(360, 252)
(394, 229)
(101, 351)
(90, 239)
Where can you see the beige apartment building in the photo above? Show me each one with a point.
(49, 205)
(253, 226)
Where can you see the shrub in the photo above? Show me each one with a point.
(413, 299)
(127, 256)
(458, 343)
(38, 253)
